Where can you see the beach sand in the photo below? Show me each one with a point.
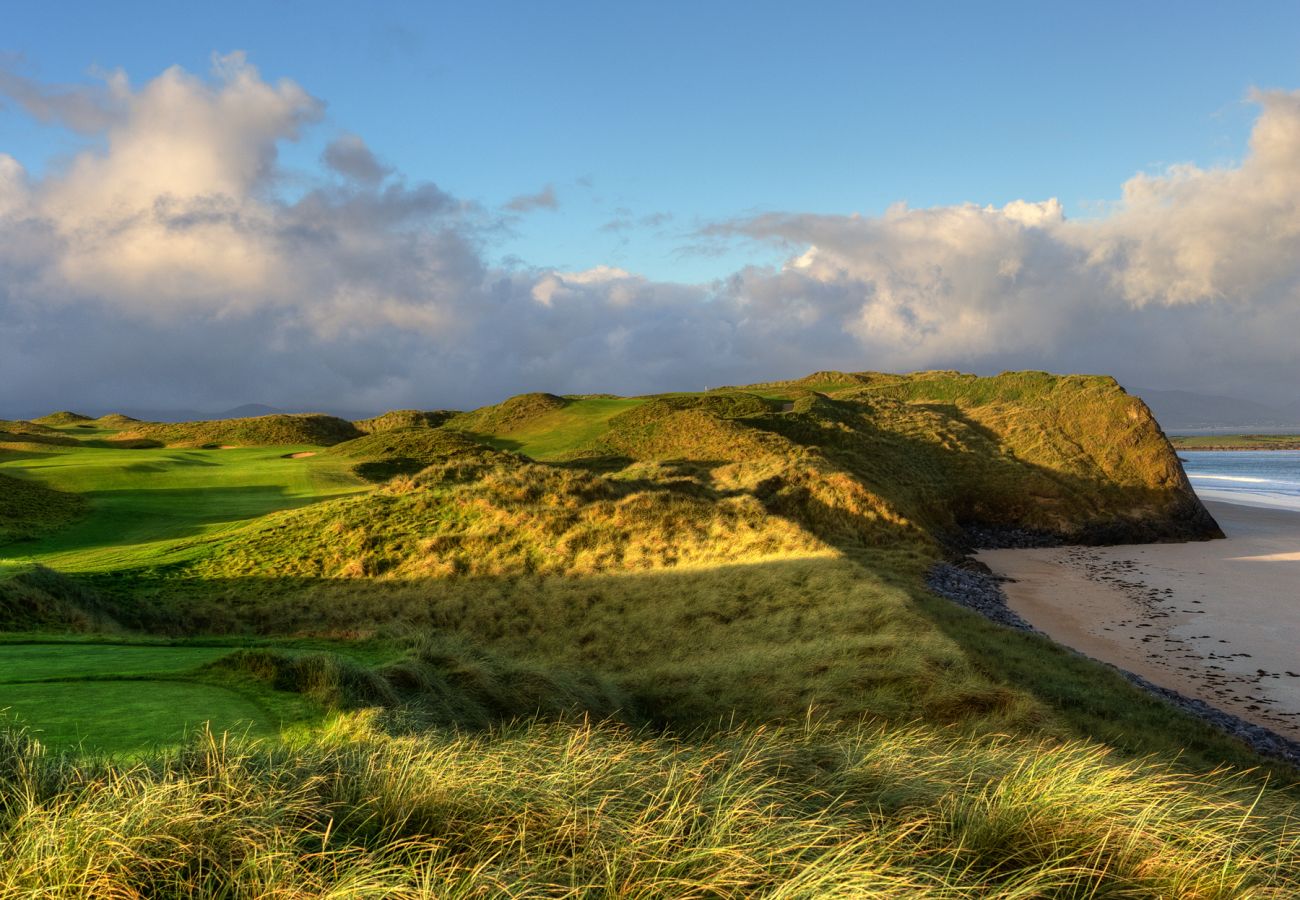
(1216, 620)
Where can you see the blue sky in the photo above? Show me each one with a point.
(326, 205)
(666, 116)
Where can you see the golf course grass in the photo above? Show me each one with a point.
(122, 698)
(143, 504)
(142, 508)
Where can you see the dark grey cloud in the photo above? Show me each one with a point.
(348, 155)
(86, 108)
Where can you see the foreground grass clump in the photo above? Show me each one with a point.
(596, 810)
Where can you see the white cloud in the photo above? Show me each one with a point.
(161, 266)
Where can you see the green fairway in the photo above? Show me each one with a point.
(559, 431)
(145, 506)
(119, 698)
(116, 716)
(57, 660)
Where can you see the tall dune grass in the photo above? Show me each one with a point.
(583, 810)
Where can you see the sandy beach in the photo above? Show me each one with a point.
(1216, 620)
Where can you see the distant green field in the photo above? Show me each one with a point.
(146, 505)
(1236, 442)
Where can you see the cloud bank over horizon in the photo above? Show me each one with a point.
(174, 262)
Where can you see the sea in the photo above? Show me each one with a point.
(1253, 477)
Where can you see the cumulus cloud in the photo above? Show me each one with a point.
(543, 199)
(162, 267)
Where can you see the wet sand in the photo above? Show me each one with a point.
(1215, 620)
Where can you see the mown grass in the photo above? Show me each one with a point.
(543, 426)
(596, 810)
(146, 506)
(129, 715)
(121, 698)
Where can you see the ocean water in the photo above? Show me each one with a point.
(1255, 477)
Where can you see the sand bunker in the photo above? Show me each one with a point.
(303, 455)
(1216, 620)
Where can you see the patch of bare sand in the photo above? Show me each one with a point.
(301, 455)
(1216, 620)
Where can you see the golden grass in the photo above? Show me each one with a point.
(586, 810)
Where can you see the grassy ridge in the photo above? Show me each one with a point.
(261, 431)
(397, 419)
(385, 454)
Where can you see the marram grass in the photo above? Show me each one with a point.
(362, 808)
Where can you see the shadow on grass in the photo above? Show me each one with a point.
(759, 642)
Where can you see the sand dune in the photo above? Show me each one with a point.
(1217, 620)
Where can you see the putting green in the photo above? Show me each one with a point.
(60, 661)
(126, 716)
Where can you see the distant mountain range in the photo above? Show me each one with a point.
(1188, 411)
(244, 411)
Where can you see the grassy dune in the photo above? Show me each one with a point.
(398, 419)
(261, 431)
(732, 583)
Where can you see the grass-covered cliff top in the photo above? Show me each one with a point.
(1236, 442)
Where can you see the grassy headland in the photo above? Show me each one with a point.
(700, 572)
(1236, 442)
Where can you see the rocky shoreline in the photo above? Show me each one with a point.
(972, 586)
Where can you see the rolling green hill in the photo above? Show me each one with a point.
(261, 431)
(732, 583)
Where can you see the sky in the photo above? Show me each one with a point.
(436, 205)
